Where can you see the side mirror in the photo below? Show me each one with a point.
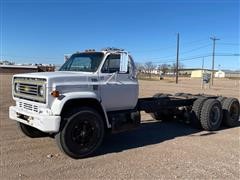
(66, 57)
(123, 63)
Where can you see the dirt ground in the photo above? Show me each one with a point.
(154, 151)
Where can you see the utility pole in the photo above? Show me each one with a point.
(213, 56)
(202, 72)
(202, 64)
(177, 58)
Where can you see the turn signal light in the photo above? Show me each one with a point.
(55, 93)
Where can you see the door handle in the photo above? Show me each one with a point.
(114, 83)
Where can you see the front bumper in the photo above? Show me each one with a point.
(45, 123)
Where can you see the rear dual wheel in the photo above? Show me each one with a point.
(211, 115)
(159, 95)
(196, 112)
(231, 111)
(183, 94)
(221, 99)
(163, 115)
(206, 114)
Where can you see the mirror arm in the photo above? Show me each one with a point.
(110, 78)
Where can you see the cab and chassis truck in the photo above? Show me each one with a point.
(95, 93)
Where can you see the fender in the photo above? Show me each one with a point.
(58, 103)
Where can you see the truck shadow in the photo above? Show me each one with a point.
(148, 134)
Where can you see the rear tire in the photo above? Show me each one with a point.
(82, 134)
(31, 131)
(231, 110)
(161, 95)
(183, 94)
(196, 112)
(178, 94)
(221, 99)
(211, 115)
(164, 115)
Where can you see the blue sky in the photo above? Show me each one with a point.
(43, 31)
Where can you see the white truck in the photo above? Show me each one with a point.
(97, 92)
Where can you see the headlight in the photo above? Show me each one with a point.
(17, 87)
(40, 91)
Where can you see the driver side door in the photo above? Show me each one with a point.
(118, 90)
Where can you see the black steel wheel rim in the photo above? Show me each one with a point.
(234, 111)
(214, 115)
(84, 135)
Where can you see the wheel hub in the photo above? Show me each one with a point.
(234, 111)
(83, 134)
(214, 115)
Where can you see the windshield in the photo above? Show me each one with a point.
(86, 62)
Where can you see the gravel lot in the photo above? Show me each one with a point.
(154, 151)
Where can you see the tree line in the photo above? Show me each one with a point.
(151, 68)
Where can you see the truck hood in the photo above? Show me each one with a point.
(62, 77)
(56, 74)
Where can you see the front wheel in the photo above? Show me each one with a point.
(31, 131)
(82, 134)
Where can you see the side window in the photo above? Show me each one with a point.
(112, 64)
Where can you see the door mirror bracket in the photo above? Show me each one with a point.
(123, 62)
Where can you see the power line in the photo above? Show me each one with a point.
(194, 42)
(185, 52)
(195, 49)
(169, 47)
(30, 57)
(153, 50)
(195, 57)
(229, 44)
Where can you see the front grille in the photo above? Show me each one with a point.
(28, 106)
(29, 89)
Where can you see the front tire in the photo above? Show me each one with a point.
(82, 134)
(31, 131)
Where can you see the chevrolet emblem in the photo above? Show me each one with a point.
(26, 89)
